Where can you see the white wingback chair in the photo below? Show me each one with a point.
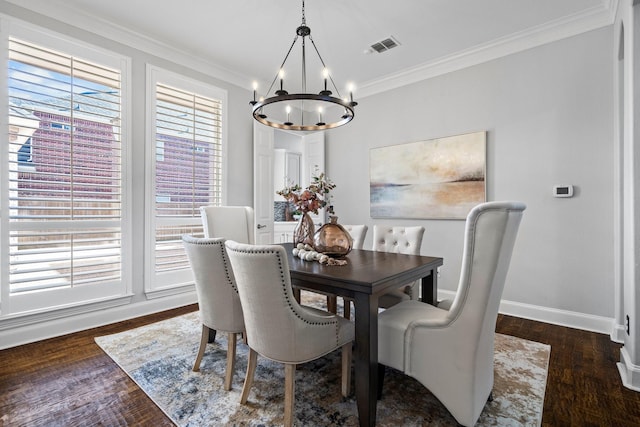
(278, 327)
(231, 222)
(403, 240)
(218, 300)
(451, 352)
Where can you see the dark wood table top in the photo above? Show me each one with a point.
(368, 272)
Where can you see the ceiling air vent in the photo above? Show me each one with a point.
(385, 45)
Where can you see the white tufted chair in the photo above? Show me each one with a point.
(403, 240)
(278, 327)
(218, 299)
(358, 233)
(231, 222)
(451, 352)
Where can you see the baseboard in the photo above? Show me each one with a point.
(629, 373)
(571, 319)
(617, 334)
(36, 331)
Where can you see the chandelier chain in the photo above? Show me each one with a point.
(295, 39)
(323, 64)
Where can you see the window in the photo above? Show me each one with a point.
(63, 195)
(186, 149)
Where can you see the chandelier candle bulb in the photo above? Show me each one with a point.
(255, 88)
(288, 110)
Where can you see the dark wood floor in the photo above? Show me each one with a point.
(70, 381)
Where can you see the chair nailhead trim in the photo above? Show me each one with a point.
(288, 293)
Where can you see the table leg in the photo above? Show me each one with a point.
(366, 358)
(430, 288)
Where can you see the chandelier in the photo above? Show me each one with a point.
(303, 111)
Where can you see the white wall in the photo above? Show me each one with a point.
(548, 113)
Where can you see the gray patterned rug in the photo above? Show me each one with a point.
(159, 357)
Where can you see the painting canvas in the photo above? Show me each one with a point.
(441, 178)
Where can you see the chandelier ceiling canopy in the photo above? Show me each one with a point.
(303, 111)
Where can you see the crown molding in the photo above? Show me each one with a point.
(587, 20)
(58, 10)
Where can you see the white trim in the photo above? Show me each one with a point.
(170, 290)
(629, 373)
(590, 19)
(587, 20)
(571, 319)
(61, 299)
(74, 322)
(169, 283)
(98, 25)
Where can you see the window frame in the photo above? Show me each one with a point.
(37, 303)
(178, 281)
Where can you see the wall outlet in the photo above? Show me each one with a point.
(628, 325)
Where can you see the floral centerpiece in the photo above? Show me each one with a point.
(311, 199)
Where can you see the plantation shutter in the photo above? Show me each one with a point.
(64, 172)
(188, 172)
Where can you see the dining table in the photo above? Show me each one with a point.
(363, 279)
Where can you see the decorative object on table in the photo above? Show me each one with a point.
(332, 239)
(441, 178)
(316, 196)
(304, 231)
(283, 110)
(307, 253)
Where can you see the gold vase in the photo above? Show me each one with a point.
(304, 231)
(332, 239)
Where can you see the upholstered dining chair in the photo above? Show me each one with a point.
(231, 222)
(358, 234)
(451, 351)
(218, 300)
(403, 240)
(278, 327)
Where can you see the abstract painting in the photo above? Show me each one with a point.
(441, 178)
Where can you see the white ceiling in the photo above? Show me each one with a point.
(248, 39)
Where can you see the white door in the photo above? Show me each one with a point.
(263, 175)
(263, 182)
(314, 165)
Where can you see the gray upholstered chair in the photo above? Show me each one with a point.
(231, 222)
(451, 351)
(278, 327)
(358, 234)
(403, 240)
(218, 299)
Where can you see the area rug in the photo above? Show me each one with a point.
(159, 358)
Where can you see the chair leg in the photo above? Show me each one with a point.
(289, 393)
(332, 304)
(248, 380)
(346, 303)
(381, 370)
(212, 335)
(231, 360)
(204, 338)
(346, 369)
